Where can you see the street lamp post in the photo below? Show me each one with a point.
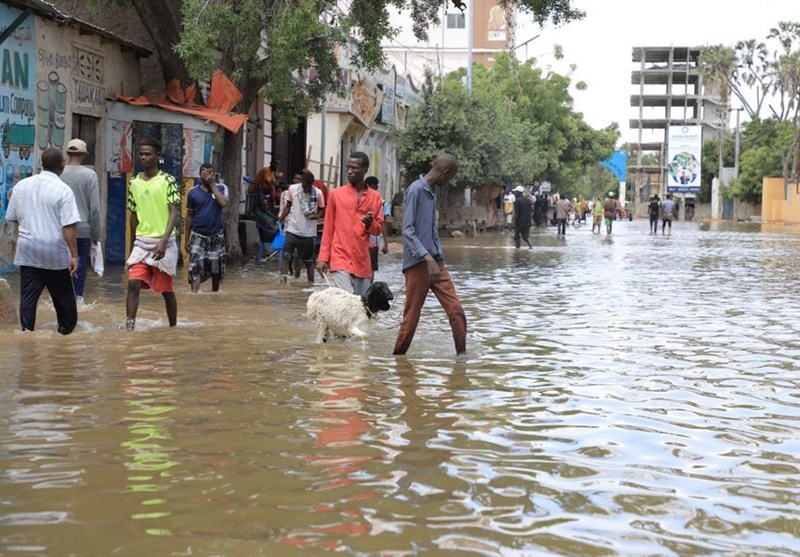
(525, 44)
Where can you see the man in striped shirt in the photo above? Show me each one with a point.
(46, 213)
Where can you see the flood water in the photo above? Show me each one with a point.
(632, 395)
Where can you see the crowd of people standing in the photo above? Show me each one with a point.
(523, 209)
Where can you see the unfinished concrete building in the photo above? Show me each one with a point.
(670, 93)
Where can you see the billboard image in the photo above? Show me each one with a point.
(683, 159)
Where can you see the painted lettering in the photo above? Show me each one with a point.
(87, 94)
(54, 60)
(15, 69)
(23, 107)
(21, 34)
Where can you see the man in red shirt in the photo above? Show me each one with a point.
(354, 212)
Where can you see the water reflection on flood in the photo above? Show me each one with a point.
(631, 395)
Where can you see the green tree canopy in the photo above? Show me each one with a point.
(287, 50)
(516, 122)
(765, 144)
(765, 77)
(480, 129)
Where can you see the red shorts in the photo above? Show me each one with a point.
(151, 277)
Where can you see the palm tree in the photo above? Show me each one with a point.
(753, 63)
(717, 65)
(787, 32)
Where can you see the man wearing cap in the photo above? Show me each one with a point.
(83, 182)
(609, 211)
(523, 212)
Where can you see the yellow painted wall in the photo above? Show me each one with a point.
(778, 204)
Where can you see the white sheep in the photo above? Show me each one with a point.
(338, 312)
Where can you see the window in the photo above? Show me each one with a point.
(455, 21)
(85, 128)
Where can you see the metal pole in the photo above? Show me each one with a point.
(736, 149)
(470, 9)
(322, 140)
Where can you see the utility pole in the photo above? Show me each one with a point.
(736, 148)
(322, 140)
(470, 9)
(470, 16)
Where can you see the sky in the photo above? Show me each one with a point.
(600, 45)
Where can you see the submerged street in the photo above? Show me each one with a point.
(622, 395)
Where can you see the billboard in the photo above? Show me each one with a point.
(684, 158)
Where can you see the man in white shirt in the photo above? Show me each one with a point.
(46, 214)
(304, 206)
(83, 182)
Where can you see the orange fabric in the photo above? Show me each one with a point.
(151, 277)
(222, 99)
(345, 239)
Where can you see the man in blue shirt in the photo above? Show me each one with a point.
(423, 258)
(205, 230)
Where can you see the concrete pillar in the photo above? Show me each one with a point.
(716, 200)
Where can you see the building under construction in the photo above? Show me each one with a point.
(670, 93)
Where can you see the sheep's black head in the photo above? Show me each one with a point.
(377, 297)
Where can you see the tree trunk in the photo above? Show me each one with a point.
(232, 155)
(160, 25)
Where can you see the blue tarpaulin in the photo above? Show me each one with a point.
(618, 164)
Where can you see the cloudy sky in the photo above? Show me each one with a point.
(600, 45)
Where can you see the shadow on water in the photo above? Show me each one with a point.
(623, 395)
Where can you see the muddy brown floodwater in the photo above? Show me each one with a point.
(632, 395)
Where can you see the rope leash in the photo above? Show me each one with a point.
(395, 318)
(325, 276)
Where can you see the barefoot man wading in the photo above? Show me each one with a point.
(423, 257)
(153, 201)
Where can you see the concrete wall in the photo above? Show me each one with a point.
(780, 202)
